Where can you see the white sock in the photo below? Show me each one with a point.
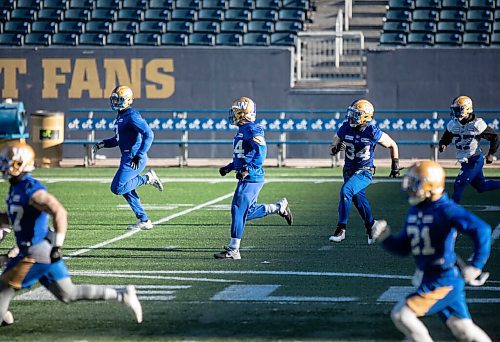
(272, 208)
(111, 293)
(234, 243)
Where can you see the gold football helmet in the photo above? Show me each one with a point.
(423, 181)
(360, 112)
(15, 158)
(461, 107)
(242, 110)
(121, 98)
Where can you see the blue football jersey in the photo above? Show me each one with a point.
(250, 150)
(359, 145)
(430, 231)
(132, 134)
(29, 224)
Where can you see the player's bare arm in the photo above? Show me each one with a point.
(44, 201)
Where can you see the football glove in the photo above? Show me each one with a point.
(3, 233)
(240, 174)
(55, 254)
(134, 163)
(490, 158)
(470, 273)
(442, 148)
(97, 147)
(395, 168)
(223, 171)
(334, 149)
(380, 230)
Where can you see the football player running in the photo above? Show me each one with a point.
(134, 137)
(358, 138)
(468, 130)
(38, 255)
(249, 153)
(429, 233)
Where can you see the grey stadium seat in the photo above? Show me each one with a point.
(283, 38)
(400, 4)
(228, 26)
(389, 38)
(125, 26)
(71, 27)
(267, 4)
(148, 39)
(229, 39)
(211, 14)
(450, 26)
(22, 27)
(261, 26)
(288, 26)
(452, 15)
(206, 26)
(237, 14)
(65, 39)
(152, 27)
(478, 26)
(207, 39)
(256, 39)
(455, 4)
(118, 38)
(450, 39)
(107, 4)
(179, 26)
(50, 14)
(476, 38)
(184, 14)
(425, 15)
(98, 27)
(174, 38)
(15, 39)
(161, 4)
(90, 38)
(215, 4)
(423, 26)
(296, 4)
(428, 4)
(188, 4)
(37, 38)
(396, 26)
(398, 15)
(241, 4)
(44, 27)
(264, 14)
(420, 38)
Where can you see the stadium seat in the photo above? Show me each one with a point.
(267, 4)
(32, 4)
(98, 27)
(389, 38)
(184, 14)
(50, 14)
(452, 15)
(152, 27)
(23, 14)
(478, 26)
(256, 39)
(479, 15)
(187, 4)
(78, 14)
(11, 39)
(130, 14)
(37, 38)
(237, 14)
(296, 4)
(497, 15)
(398, 15)
(450, 26)
(91, 38)
(179, 26)
(428, 4)
(496, 26)
(7, 4)
(230, 26)
(40, 26)
(425, 15)
(423, 26)
(291, 14)
(229, 39)
(161, 4)
(119, 38)
(125, 26)
(241, 4)
(211, 14)
(261, 26)
(149, 39)
(481, 4)
(400, 4)
(264, 14)
(157, 14)
(288, 26)
(495, 38)
(201, 39)
(71, 27)
(476, 38)
(55, 4)
(396, 26)
(4, 15)
(214, 4)
(174, 38)
(455, 4)
(107, 4)
(206, 26)
(65, 39)
(22, 27)
(104, 14)
(450, 39)
(86, 4)
(420, 38)
(135, 4)
(283, 38)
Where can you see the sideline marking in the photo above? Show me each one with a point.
(132, 232)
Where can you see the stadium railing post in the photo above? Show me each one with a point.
(435, 136)
(88, 159)
(282, 145)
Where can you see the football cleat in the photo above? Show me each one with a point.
(144, 225)
(338, 236)
(285, 211)
(371, 240)
(154, 180)
(130, 299)
(7, 319)
(228, 253)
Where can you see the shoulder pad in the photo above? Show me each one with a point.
(480, 125)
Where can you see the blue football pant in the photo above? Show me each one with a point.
(353, 191)
(472, 173)
(244, 207)
(125, 182)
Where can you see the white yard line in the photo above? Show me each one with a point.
(133, 232)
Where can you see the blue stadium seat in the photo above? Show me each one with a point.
(452, 15)
(482, 4)
(71, 27)
(214, 4)
(107, 4)
(267, 4)
(50, 14)
(201, 39)
(104, 14)
(256, 39)
(496, 26)
(478, 26)
(389, 38)
(206, 26)
(497, 15)
(288, 26)
(65, 39)
(148, 39)
(37, 38)
(237, 14)
(23, 14)
(184, 14)
(187, 4)
(449, 39)
(22, 27)
(130, 14)
(40, 26)
(152, 27)
(423, 26)
(230, 26)
(179, 26)
(33, 4)
(400, 4)
(211, 14)
(177, 39)
(4, 15)
(292, 14)
(103, 27)
(479, 15)
(283, 38)
(241, 4)
(91, 38)
(455, 4)
(161, 4)
(476, 39)
(15, 39)
(264, 14)
(495, 38)
(7, 4)
(261, 26)
(56, 4)
(396, 26)
(398, 15)
(450, 26)
(296, 4)
(425, 15)
(420, 38)
(87, 4)
(229, 39)
(125, 26)
(78, 14)
(119, 38)
(135, 4)
(428, 4)
(157, 14)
